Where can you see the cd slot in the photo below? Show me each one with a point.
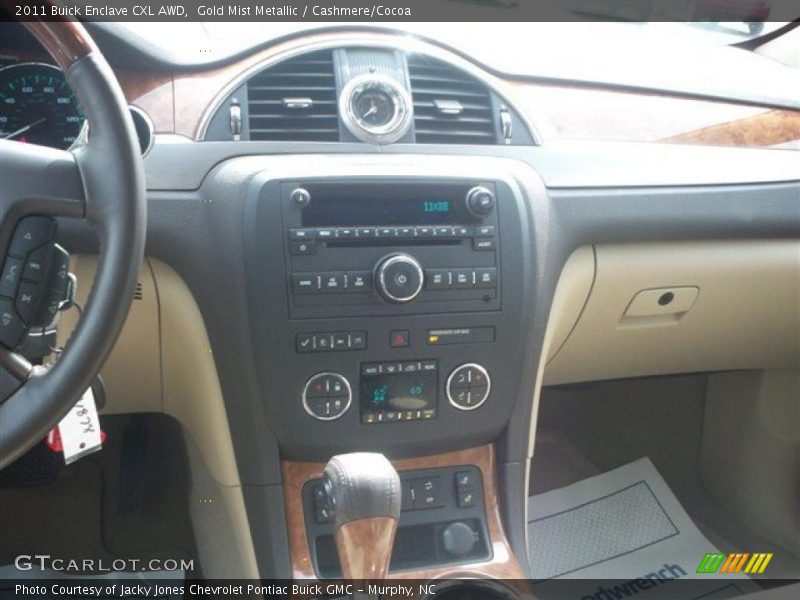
(356, 243)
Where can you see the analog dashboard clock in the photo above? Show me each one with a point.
(375, 108)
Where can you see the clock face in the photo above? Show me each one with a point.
(375, 108)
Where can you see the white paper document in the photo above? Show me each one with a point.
(625, 527)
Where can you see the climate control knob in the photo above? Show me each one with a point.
(327, 396)
(399, 277)
(468, 386)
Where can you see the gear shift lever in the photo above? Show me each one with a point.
(364, 492)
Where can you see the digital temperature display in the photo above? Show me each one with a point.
(405, 391)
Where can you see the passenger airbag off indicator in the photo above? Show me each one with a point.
(460, 335)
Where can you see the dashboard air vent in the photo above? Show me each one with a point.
(450, 106)
(295, 100)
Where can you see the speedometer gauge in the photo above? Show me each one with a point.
(37, 106)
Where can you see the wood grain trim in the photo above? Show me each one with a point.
(366, 547)
(503, 564)
(770, 128)
(65, 41)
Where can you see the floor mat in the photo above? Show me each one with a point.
(625, 524)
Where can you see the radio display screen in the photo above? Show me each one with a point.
(405, 391)
(359, 204)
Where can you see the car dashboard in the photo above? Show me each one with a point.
(366, 239)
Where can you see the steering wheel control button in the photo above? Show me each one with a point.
(468, 386)
(11, 326)
(480, 201)
(327, 396)
(36, 265)
(399, 278)
(31, 233)
(12, 274)
(28, 298)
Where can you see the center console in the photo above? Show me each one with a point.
(386, 309)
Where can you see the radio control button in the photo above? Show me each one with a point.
(359, 281)
(366, 232)
(424, 231)
(302, 234)
(326, 233)
(462, 231)
(437, 279)
(345, 232)
(484, 231)
(483, 244)
(301, 197)
(385, 232)
(333, 282)
(486, 278)
(302, 247)
(443, 231)
(305, 283)
(463, 278)
(406, 232)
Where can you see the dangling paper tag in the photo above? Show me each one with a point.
(80, 429)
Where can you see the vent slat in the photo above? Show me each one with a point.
(309, 76)
(433, 81)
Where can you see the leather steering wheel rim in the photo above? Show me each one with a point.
(102, 181)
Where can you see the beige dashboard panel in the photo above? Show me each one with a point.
(746, 313)
(132, 373)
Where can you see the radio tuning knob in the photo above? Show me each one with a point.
(399, 277)
(301, 197)
(480, 201)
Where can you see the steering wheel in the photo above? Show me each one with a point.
(100, 180)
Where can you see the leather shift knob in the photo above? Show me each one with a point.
(364, 490)
(363, 485)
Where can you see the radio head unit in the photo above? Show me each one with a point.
(373, 247)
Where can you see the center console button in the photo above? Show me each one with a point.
(437, 279)
(305, 283)
(345, 232)
(333, 282)
(358, 340)
(423, 231)
(366, 232)
(385, 232)
(443, 231)
(301, 234)
(341, 341)
(406, 232)
(359, 281)
(486, 277)
(302, 247)
(483, 244)
(325, 233)
(462, 231)
(463, 278)
(484, 231)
